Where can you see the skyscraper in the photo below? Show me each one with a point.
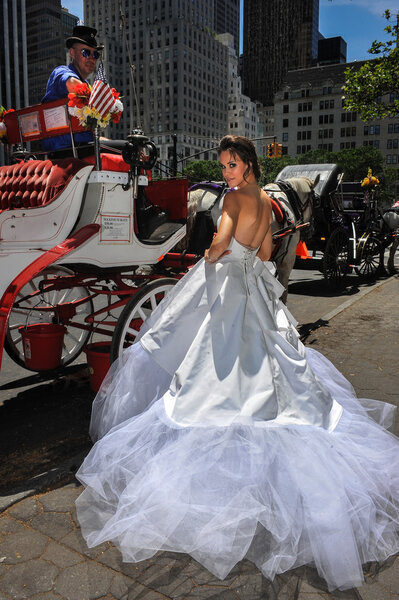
(278, 35)
(13, 55)
(227, 19)
(180, 70)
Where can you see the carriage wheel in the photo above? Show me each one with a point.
(393, 259)
(136, 312)
(22, 314)
(371, 256)
(336, 258)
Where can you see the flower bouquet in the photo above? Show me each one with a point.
(370, 180)
(80, 105)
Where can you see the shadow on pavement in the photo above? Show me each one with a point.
(42, 427)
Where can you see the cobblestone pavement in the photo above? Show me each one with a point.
(44, 557)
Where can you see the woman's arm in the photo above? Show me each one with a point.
(266, 248)
(227, 227)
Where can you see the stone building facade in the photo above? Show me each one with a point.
(309, 114)
(180, 71)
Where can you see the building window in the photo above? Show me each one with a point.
(371, 130)
(286, 108)
(393, 128)
(327, 90)
(285, 122)
(285, 136)
(348, 131)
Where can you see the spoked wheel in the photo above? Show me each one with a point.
(136, 311)
(371, 256)
(336, 258)
(27, 311)
(393, 259)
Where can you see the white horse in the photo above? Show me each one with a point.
(390, 222)
(292, 201)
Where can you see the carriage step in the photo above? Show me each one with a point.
(162, 233)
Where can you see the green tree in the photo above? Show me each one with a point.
(356, 162)
(270, 167)
(366, 85)
(203, 170)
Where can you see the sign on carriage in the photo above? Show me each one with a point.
(115, 228)
(29, 124)
(55, 118)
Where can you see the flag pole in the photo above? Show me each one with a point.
(97, 155)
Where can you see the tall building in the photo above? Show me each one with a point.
(46, 44)
(13, 55)
(279, 35)
(180, 70)
(48, 25)
(42, 24)
(227, 19)
(331, 51)
(309, 115)
(242, 112)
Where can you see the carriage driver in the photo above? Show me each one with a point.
(84, 52)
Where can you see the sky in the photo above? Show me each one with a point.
(359, 22)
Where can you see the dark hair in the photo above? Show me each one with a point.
(244, 148)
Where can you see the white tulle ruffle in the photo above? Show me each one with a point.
(279, 496)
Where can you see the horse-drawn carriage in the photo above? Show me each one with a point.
(348, 230)
(84, 243)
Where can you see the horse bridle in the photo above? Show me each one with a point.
(294, 199)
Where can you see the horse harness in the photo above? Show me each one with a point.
(279, 206)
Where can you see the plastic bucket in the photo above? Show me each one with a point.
(42, 345)
(99, 360)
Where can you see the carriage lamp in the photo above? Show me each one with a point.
(139, 152)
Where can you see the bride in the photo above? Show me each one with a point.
(219, 435)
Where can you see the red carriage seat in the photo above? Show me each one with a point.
(35, 182)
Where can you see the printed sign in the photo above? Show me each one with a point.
(115, 228)
(55, 118)
(29, 124)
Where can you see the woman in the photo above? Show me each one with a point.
(222, 437)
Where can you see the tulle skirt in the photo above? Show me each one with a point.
(280, 496)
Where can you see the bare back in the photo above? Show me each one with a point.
(254, 216)
(246, 216)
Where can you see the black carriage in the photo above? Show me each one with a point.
(347, 231)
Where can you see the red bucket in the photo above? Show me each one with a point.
(99, 361)
(42, 344)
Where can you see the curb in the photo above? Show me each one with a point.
(363, 292)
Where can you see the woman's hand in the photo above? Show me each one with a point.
(208, 259)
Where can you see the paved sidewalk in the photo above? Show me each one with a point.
(43, 556)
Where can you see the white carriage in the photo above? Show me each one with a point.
(84, 243)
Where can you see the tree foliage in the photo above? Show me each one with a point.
(366, 85)
(203, 170)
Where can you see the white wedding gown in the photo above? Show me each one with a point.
(220, 436)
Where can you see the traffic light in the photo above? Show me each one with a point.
(270, 150)
(279, 150)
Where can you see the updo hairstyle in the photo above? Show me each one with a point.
(245, 149)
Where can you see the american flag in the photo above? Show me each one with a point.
(101, 97)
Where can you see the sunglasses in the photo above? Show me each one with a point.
(87, 54)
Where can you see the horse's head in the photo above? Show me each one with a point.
(304, 187)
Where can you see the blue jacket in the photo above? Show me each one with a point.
(56, 89)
